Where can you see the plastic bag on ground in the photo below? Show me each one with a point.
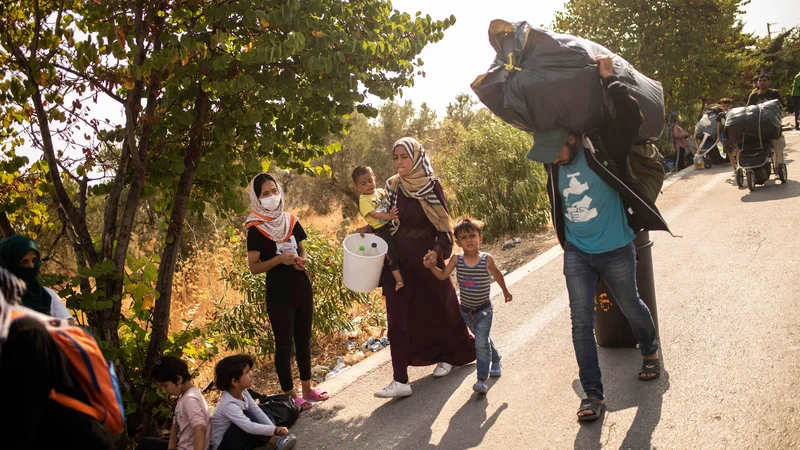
(340, 367)
(542, 80)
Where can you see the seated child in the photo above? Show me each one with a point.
(237, 422)
(370, 205)
(191, 427)
(475, 270)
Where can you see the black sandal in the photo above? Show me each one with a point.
(650, 366)
(595, 405)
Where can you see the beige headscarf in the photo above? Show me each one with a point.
(276, 225)
(419, 184)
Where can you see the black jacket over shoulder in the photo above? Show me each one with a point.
(606, 152)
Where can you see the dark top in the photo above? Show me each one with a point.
(721, 120)
(425, 323)
(283, 280)
(618, 137)
(771, 94)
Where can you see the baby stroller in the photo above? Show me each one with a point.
(756, 163)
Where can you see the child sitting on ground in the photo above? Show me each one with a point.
(191, 422)
(474, 270)
(237, 422)
(370, 205)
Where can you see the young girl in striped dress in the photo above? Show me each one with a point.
(475, 270)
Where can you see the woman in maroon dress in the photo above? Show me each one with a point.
(425, 324)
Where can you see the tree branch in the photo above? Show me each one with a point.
(56, 31)
(93, 80)
(37, 17)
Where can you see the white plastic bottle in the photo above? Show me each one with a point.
(361, 251)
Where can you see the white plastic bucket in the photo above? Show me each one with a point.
(362, 273)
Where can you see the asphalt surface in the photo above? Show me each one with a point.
(727, 292)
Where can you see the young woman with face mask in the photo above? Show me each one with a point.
(275, 246)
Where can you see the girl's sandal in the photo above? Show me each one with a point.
(303, 404)
(595, 405)
(316, 395)
(651, 369)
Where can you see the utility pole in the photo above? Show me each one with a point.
(769, 32)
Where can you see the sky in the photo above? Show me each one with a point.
(454, 62)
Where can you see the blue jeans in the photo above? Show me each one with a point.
(618, 269)
(480, 324)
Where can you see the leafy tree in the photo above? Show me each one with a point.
(780, 58)
(210, 91)
(486, 174)
(365, 143)
(462, 110)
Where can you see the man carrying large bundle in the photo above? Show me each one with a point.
(591, 134)
(591, 212)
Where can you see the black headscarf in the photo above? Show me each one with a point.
(12, 250)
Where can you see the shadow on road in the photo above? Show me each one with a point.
(773, 190)
(407, 420)
(623, 390)
(469, 425)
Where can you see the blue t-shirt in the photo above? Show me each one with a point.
(594, 216)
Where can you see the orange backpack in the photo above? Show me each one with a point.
(88, 367)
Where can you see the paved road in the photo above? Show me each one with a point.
(728, 293)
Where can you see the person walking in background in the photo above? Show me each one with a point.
(763, 92)
(679, 142)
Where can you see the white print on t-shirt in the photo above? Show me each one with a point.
(289, 246)
(578, 211)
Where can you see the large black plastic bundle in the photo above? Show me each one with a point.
(762, 121)
(542, 80)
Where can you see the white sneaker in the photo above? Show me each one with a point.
(394, 389)
(286, 442)
(442, 369)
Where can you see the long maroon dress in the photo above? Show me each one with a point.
(425, 323)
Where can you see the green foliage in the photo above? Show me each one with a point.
(365, 143)
(194, 344)
(462, 110)
(246, 326)
(781, 59)
(486, 170)
(23, 191)
(210, 93)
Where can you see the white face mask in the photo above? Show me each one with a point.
(271, 203)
